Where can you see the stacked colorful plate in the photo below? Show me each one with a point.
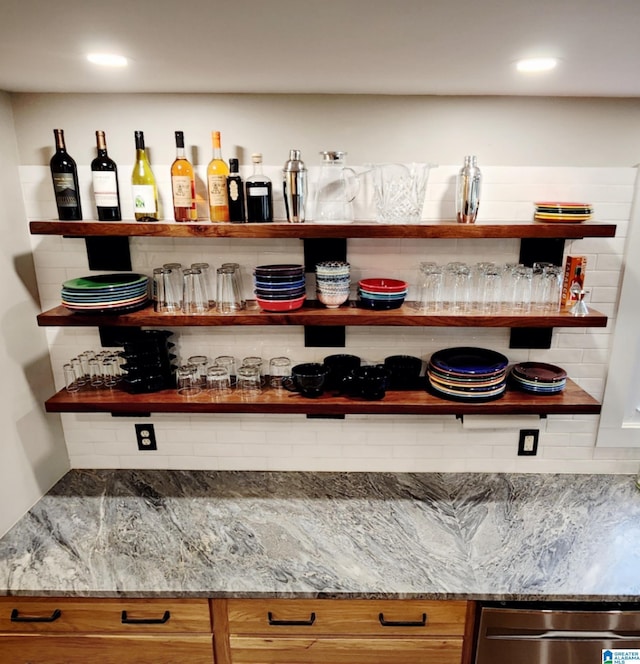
(539, 377)
(549, 211)
(279, 287)
(106, 293)
(468, 374)
(381, 293)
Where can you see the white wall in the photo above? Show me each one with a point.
(529, 149)
(32, 452)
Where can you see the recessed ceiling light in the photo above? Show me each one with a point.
(536, 64)
(107, 59)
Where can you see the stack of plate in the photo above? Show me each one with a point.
(468, 374)
(538, 377)
(379, 293)
(106, 293)
(550, 211)
(279, 287)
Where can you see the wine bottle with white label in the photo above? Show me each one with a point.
(65, 181)
(104, 173)
(143, 184)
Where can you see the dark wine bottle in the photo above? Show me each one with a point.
(105, 182)
(65, 181)
(235, 192)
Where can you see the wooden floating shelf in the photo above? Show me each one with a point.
(443, 229)
(416, 402)
(314, 313)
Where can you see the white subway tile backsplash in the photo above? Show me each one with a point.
(360, 442)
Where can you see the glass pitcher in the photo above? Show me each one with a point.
(337, 187)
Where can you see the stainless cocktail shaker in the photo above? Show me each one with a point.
(294, 186)
(468, 191)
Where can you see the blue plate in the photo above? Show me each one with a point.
(469, 360)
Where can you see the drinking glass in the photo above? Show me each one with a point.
(552, 287)
(538, 285)
(457, 285)
(200, 363)
(173, 286)
(70, 382)
(477, 282)
(194, 292)
(228, 300)
(79, 371)
(208, 280)
(236, 270)
(508, 284)
(248, 382)
(110, 372)
(161, 303)
(491, 290)
(218, 381)
(188, 381)
(227, 362)
(96, 378)
(430, 287)
(279, 368)
(522, 281)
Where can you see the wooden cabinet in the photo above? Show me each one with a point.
(341, 631)
(105, 631)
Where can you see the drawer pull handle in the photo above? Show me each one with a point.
(145, 621)
(403, 623)
(272, 621)
(16, 617)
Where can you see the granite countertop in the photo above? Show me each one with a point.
(112, 533)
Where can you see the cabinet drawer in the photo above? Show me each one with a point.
(371, 617)
(321, 650)
(105, 649)
(136, 616)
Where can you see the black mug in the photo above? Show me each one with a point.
(339, 366)
(369, 382)
(404, 371)
(308, 379)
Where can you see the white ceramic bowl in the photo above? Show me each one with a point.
(332, 301)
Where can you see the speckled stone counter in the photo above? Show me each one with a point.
(136, 533)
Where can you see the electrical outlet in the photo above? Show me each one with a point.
(146, 437)
(528, 442)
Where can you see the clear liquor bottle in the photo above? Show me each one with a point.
(259, 192)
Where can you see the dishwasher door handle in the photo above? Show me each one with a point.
(561, 634)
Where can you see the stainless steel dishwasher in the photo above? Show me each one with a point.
(559, 634)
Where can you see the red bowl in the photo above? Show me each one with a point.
(281, 305)
(375, 285)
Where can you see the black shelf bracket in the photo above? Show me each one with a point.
(317, 250)
(112, 336)
(532, 250)
(108, 253)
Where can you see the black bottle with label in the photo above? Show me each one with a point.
(235, 193)
(259, 193)
(65, 181)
